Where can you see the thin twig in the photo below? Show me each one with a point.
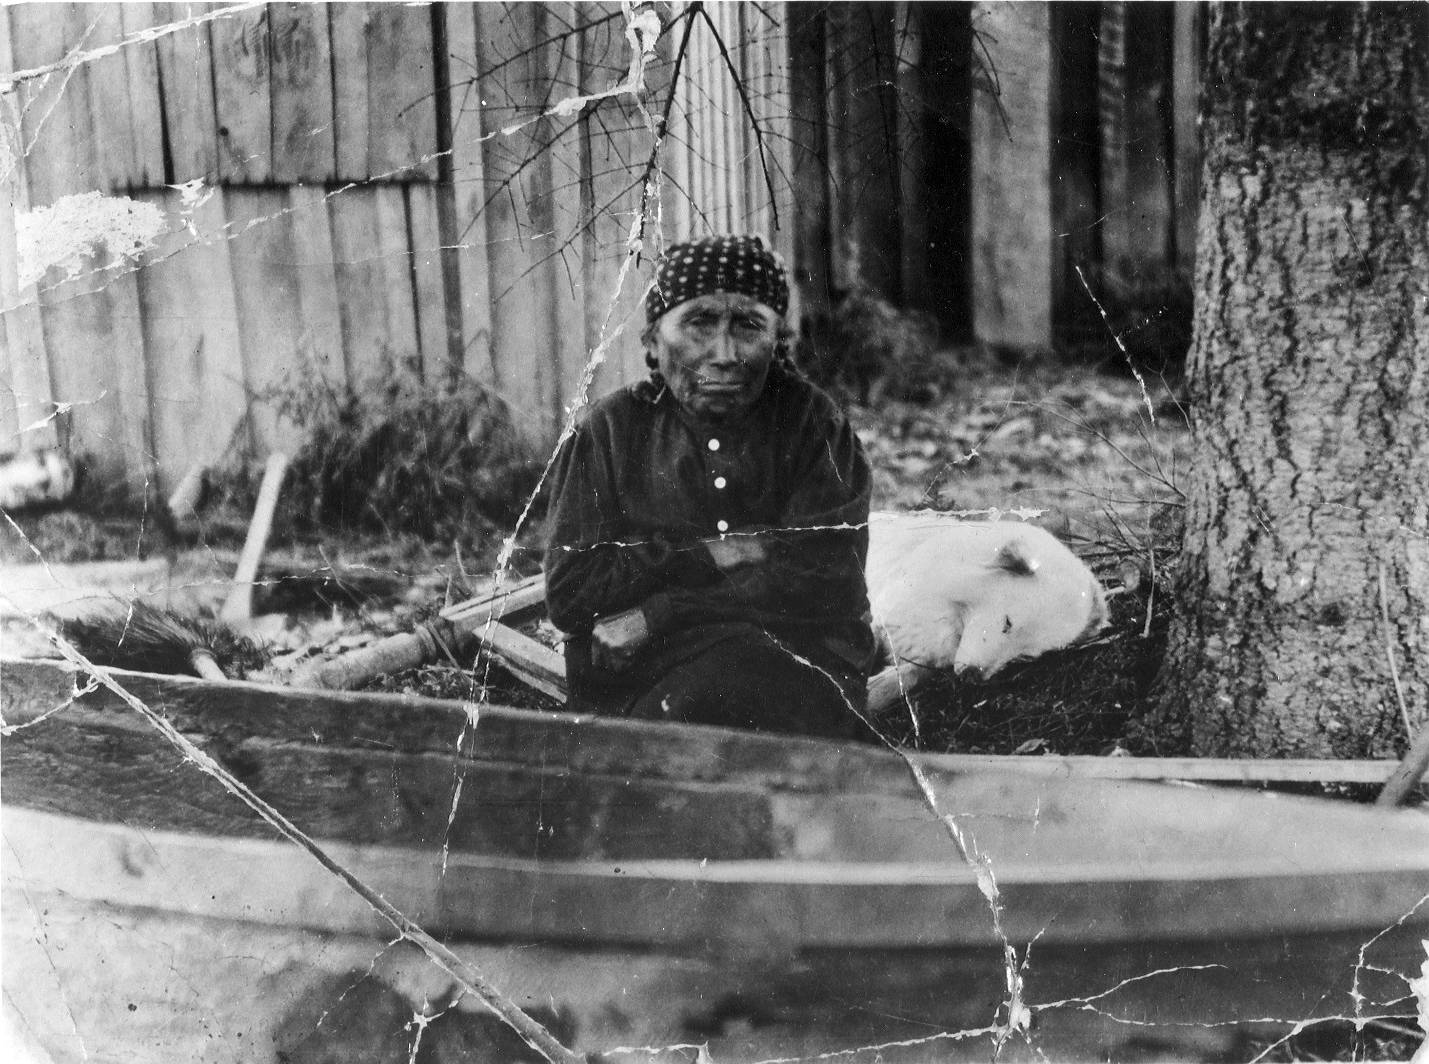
(989, 68)
(1389, 653)
(1151, 594)
(1087, 427)
(749, 111)
(1146, 397)
(664, 124)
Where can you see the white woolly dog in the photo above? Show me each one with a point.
(971, 596)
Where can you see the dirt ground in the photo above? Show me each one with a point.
(1090, 453)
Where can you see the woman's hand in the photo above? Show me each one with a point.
(614, 640)
(732, 552)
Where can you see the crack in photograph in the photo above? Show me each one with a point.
(714, 532)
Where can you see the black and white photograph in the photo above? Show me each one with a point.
(714, 532)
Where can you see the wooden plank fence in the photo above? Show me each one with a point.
(364, 209)
(353, 190)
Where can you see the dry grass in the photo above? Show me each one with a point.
(1100, 459)
(441, 460)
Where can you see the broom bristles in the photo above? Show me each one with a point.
(146, 638)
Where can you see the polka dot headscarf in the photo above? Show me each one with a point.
(718, 264)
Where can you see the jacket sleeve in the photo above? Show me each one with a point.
(595, 565)
(814, 569)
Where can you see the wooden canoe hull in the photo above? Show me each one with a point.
(177, 947)
(649, 885)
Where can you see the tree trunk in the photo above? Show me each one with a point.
(1303, 594)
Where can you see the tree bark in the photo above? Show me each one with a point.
(1303, 588)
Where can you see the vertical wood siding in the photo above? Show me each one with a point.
(385, 186)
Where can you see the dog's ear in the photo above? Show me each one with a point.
(1013, 557)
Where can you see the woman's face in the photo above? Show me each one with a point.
(714, 352)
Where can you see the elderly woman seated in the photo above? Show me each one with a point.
(709, 525)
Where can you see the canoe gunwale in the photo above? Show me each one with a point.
(779, 762)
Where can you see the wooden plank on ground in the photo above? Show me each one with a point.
(186, 78)
(429, 283)
(533, 663)
(1011, 181)
(395, 265)
(468, 220)
(199, 399)
(349, 89)
(401, 93)
(242, 97)
(315, 272)
(146, 121)
(301, 85)
(361, 277)
(270, 317)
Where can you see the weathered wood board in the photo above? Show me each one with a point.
(301, 83)
(146, 120)
(467, 234)
(320, 344)
(401, 98)
(242, 68)
(186, 77)
(199, 393)
(361, 273)
(350, 27)
(518, 189)
(269, 306)
(429, 287)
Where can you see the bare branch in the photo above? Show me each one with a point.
(749, 111)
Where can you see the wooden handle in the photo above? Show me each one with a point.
(393, 654)
(509, 600)
(204, 664)
(239, 606)
(1410, 771)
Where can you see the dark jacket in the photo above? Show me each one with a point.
(640, 484)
